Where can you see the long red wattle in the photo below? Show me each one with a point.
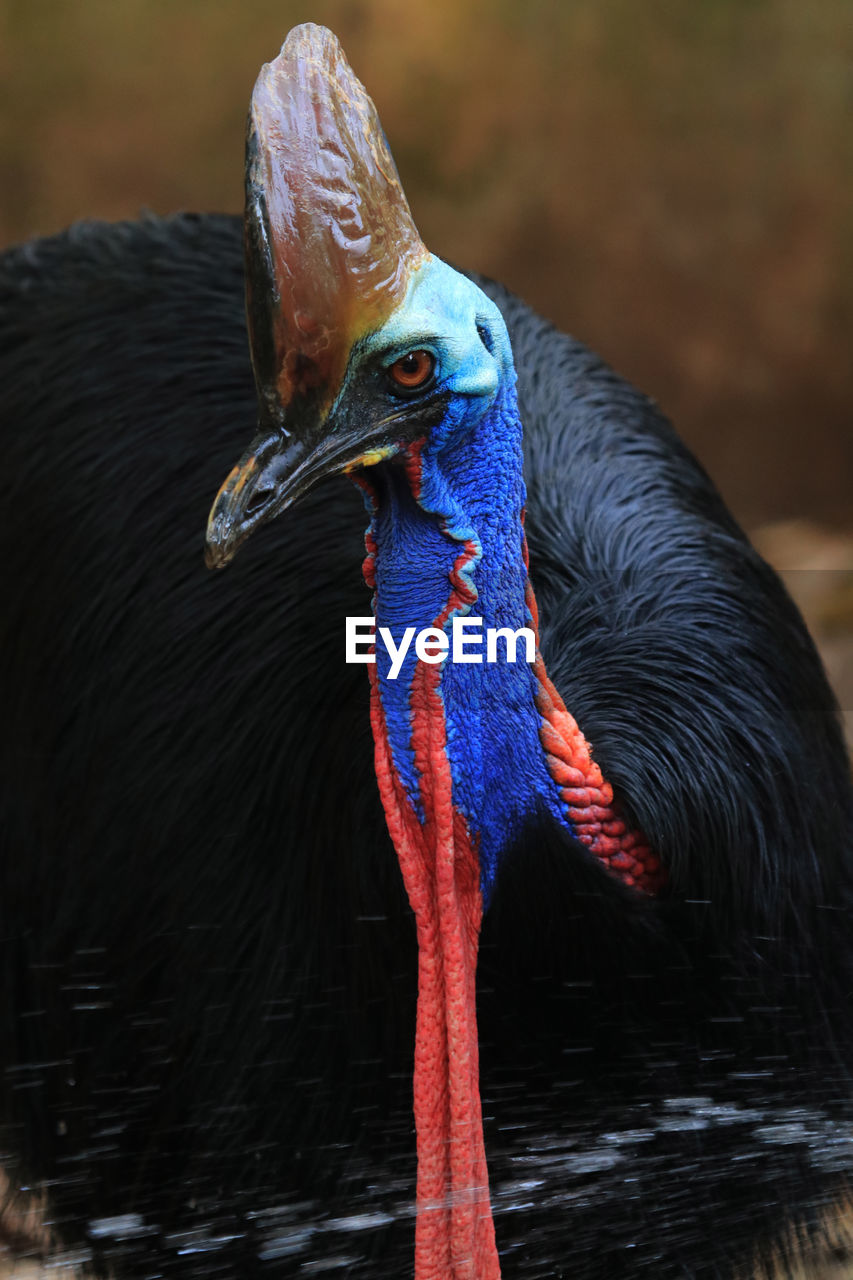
(454, 1234)
(588, 797)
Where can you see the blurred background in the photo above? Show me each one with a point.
(672, 182)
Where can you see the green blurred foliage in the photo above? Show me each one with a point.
(671, 180)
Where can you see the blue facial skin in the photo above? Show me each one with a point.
(472, 489)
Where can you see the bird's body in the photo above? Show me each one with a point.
(209, 962)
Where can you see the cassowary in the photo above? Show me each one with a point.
(210, 958)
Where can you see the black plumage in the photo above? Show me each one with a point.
(209, 966)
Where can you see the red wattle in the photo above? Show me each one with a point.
(454, 1234)
(588, 798)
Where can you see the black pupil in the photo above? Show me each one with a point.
(411, 363)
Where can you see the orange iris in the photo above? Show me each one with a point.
(413, 370)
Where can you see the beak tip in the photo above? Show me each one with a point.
(219, 549)
(218, 555)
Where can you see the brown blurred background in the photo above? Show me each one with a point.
(672, 181)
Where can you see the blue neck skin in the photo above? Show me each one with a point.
(472, 491)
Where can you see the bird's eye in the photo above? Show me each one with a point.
(413, 370)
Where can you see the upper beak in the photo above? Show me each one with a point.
(264, 482)
(276, 470)
(279, 467)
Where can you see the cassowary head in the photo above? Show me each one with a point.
(362, 341)
(373, 357)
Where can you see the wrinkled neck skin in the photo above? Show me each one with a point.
(449, 542)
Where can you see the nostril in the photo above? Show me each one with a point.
(259, 499)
